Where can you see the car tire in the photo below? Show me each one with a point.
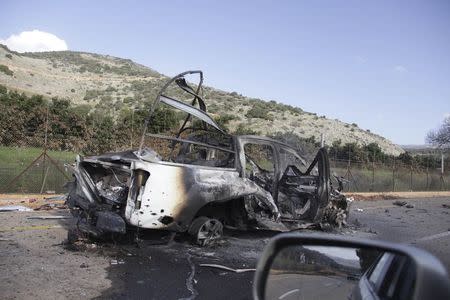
(205, 231)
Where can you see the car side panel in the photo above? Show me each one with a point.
(174, 193)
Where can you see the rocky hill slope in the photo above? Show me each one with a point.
(114, 83)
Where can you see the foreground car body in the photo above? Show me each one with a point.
(321, 266)
(206, 179)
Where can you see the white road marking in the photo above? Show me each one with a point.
(378, 207)
(288, 293)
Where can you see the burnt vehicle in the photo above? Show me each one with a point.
(202, 178)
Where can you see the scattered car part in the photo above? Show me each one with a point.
(14, 208)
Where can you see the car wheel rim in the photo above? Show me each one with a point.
(208, 232)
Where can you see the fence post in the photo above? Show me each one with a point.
(132, 128)
(373, 176)
(348, 175)
(428, 188)
(393, 176)
(442, 170)
(411, 177)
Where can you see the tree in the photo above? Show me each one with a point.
(441, 136)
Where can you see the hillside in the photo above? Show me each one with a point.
(113, 84)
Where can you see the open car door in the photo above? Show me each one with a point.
(303, 196)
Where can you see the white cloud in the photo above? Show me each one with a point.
(447, 115)
(34, 41)
(400, 69)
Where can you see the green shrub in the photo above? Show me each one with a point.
(6, 70)
(91, 94)
(243, 129)
(111, 89)
(259, 111)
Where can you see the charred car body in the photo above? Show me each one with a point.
(207, 179)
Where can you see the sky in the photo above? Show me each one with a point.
(384, 65)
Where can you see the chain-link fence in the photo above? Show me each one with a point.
(397, 177)
(30, 167)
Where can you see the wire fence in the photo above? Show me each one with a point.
(34, 163)
(28, 166)
(36, 170)
(395, 177)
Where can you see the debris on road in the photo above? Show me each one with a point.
(50, 206)
(227, 268)
(117, 262)
(399, 203)
(359, 210)
(409, 206)
(14, 208)
(371, 196)
(59, 197)
(83, 266)
(446, 206)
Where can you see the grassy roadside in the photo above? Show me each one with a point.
(14, 160)
(22, 156)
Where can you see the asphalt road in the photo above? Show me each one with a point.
(300, 286)
(426, 225)
(35, 263)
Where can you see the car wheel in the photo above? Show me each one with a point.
(206, 231)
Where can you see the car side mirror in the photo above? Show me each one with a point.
(312, 266)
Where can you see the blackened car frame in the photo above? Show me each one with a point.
(201, 178)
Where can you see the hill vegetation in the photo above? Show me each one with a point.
(106, 90)
(79, 129)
